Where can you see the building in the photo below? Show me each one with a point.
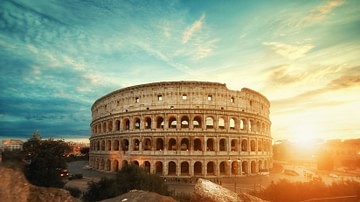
(182, 129)
(12, 145)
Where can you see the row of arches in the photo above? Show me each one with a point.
(183, 122)
(181, 144)
(187, 168)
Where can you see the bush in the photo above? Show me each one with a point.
(128, 178)
(74, 191)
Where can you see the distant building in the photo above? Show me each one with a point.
(12, 145)
(75, 148)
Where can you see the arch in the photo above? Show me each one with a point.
(222, 144)
(222, 168)
(147, 123)
(124, 163)
(147, 166)
(147, 144)
(172, 144)
(108, 145)
(235, 168)
(244, 145)
(172, 168)
(110, 126)
(104, 127)
(116, 145)
(185, 122)
(251, 125)
(253, 167)
(172, 122)
(243, 125)
(136, 144)
(234, 145)
(210, 144)
(125, 145)
(232, 124)
(159, 144)
(198, 168)
(126, 125)
(184, 168)
(244, 167)
(135, 162)
(210, 168)
(185, 144)
(159, 167)
(117, 125)
(98, 146)
(197, 123)
(221, 123)
(160, 122)
(259, 145)
(136, 123)
(103, 145)
(108, 165)
(197, 145)
(258, 126)
(252, 145)
(102, 164)
(209, 122)
(115, 165)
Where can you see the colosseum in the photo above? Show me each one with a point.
(182, 129)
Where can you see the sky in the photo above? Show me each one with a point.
(58, 56)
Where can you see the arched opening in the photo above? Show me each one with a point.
(104, 127)
(242, 124)
(172, 122)
(125, 145)
(234, 145)
(252, 145)
(198, 168)
(235, 167)
(253, 167)
(222, 168)
(210, 168)
(135, 162)
(232, 124)
(116, 145)
(103, 145)
(108, 165)
(126, 125)
(197, 145)
(115, 166)
(258, 127)
(117, 125)
(221, 123)
(197, 122)
(98, 145)
(159, 144)
(158, 167)
(172, 144)
(184, 122)
(222, 144)
(147, 123)
(137, 123)
(172, 168)
(160, 122)
(136, 145)
(147, 166)
(244, 145)
(244, 167)
(259, 145)
(210, 144)
(209, 123)
(184, 168)
(110, 126)
(108, 145)
(251, 125)
(185, 144)
(147, 144)
(124, 163)
(102, 164)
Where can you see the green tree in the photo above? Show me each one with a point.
(128, 178)
(46, 159)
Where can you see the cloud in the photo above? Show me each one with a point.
(280, 75)
(318, 14)
(192, 29)
(290, 51)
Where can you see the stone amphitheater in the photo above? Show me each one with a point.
(182, 129)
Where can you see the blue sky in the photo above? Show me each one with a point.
(58, 57)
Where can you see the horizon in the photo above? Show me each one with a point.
(57, 58)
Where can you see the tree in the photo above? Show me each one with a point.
(46, 159)
(128, 178)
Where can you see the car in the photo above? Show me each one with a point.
(63, 172)
(75, 176)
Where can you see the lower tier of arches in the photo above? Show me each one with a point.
(186, 167)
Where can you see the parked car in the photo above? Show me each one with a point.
(75, 176)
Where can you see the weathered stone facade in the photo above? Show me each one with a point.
(182, 129)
